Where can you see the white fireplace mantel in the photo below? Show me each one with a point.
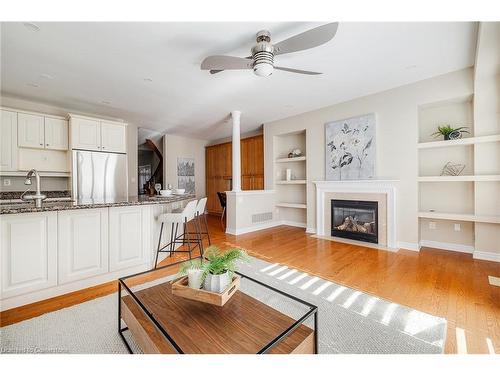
(387, 187)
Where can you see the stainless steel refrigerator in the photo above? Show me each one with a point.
(99, 176)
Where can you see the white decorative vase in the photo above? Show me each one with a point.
(194, 278)
(217, 283)
(288, 174)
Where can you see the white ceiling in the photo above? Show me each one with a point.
(94, 62)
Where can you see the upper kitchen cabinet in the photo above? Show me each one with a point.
(42, 132)
(85, 133)
(113, 137)
(30, 130)
(98, 135)
(56, 134)
(8, 140)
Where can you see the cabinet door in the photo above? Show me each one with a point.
(28, 252)
(8, 141)
(258, 182)
(113, 137)
(258, 156)
(56, 134)
(83, 244)
(85, 134)
(30, 130)
(129, 236)
(228, 160)
(246, 182)
(246, 161)
(210, 161)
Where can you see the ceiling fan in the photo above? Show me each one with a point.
(262, 59)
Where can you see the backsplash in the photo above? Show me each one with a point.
(49, 194)
(47, 183)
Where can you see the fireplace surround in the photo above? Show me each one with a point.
(354, 219)
(383, 191)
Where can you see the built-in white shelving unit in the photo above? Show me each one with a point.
(291, 160)
(458, 210)
(460, 142)
(460, 217)
(492, 177)
(291, 182)
(292, 205)
(292, 194)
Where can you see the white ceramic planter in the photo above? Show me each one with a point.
(194, 278)
(217, 283)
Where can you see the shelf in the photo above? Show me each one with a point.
(291, 182)
(289, 160)
(42, 174)
(291, 205)
(460, 217)
(460, 142)
(493, 177)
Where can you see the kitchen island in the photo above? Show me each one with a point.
(65, 246)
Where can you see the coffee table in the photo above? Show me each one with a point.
(159, 322)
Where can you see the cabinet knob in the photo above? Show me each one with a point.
(41, 144)
(47, 144)
(103, 147)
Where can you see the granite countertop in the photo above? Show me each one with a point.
(17, 208)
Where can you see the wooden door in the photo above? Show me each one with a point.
(56, 134)
(83, 244)
(30, 130)
(113, 137)
(228, 160)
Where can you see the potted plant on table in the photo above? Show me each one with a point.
(450, 133)
(216, 272)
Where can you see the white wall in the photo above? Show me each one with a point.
(396, 113)
(175, 146)
(28, 105)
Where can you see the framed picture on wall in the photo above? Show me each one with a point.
(350, 148)
(185, 175)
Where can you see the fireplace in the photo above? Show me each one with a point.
(356, 220)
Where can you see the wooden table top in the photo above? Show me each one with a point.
(242, 325)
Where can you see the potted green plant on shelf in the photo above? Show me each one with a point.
(216, 272)
(450, 133)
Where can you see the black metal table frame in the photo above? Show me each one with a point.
(313, 311)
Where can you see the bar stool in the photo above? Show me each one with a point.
(187, 215)
(201, 218)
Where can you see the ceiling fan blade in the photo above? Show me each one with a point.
(308, 39)
(220, 62)
(213, 71)
(297, 71)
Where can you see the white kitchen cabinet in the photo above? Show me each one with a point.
(8, 140)
(30, 130)
(28, 252)
(82, 244)
(129, 236)
(98, 135)
(56, 133)
(113, 137)
(85, 134)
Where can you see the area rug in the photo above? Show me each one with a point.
(350, 321)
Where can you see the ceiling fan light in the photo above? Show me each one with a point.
(263, 69)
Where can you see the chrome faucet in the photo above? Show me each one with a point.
(37, 197)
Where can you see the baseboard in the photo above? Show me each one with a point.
(448, 246)
(293, 224)
(408, 246)
(271, 224)
(484, 255)
(253, 228)
(310, 230)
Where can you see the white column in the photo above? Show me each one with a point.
(235, 115)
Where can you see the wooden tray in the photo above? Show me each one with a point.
(180, 288)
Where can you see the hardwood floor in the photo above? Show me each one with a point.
(442, 283)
